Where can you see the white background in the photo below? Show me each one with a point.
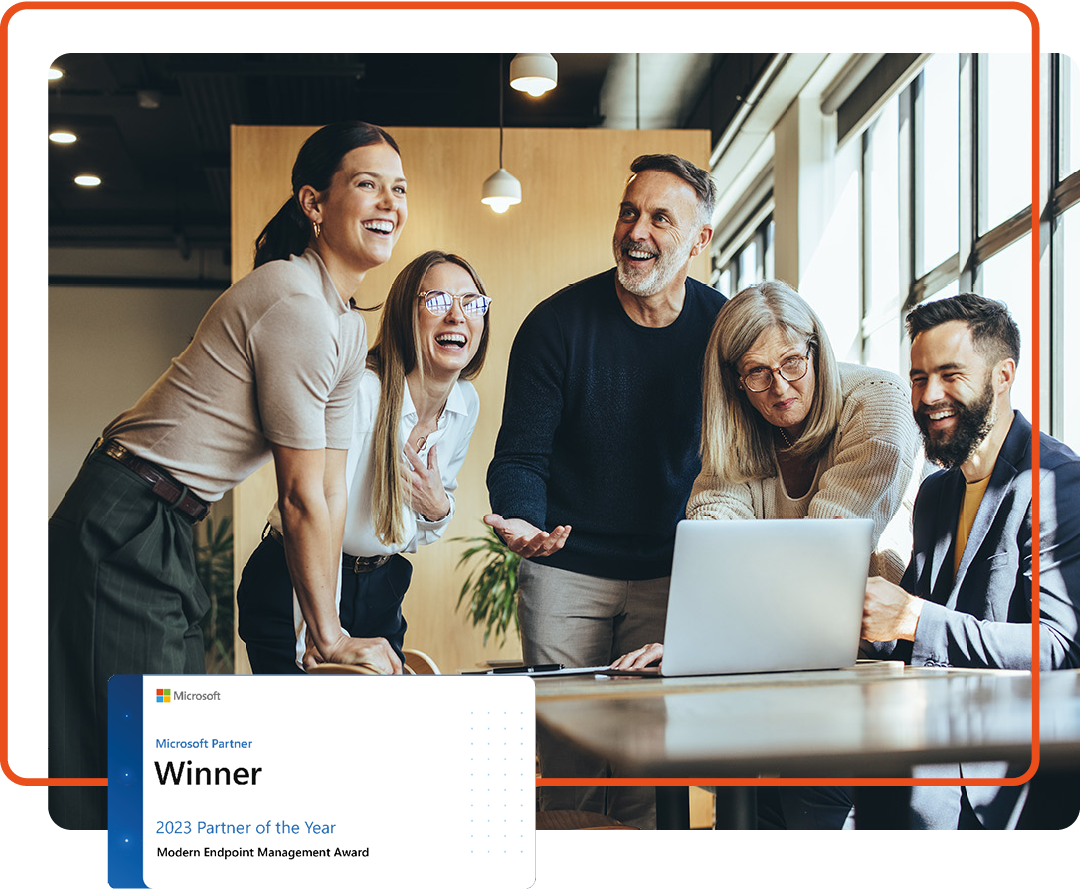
(39, 854)
(451, 792)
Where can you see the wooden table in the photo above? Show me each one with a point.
(876, 719)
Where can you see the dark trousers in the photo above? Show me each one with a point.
(370, 607)
(124, 598)
(802, 808)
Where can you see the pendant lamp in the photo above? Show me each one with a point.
(534, 73)
(501, 188)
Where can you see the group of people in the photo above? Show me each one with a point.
(634, 398)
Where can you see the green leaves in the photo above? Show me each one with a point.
(214, 565)
(490, 591)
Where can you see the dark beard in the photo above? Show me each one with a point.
(973, 422)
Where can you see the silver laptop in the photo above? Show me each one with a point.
(766, 595)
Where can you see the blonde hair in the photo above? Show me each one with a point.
(736, 441)
(394, 355)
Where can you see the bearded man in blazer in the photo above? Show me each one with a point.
(965, 599)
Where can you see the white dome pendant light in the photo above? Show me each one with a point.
(501, 188)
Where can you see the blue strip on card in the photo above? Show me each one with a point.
(126, 781)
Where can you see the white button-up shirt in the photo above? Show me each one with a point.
(455, 428)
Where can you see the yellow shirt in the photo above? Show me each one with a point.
(973, 495)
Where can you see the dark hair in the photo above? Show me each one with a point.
(993, 331)
(319, 158)
(698, 179)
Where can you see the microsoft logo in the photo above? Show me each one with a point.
(164, 695)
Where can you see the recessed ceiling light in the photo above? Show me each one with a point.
(62, 137)
(55, 73)
(88, 180)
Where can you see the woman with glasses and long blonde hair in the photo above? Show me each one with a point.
(415, 414)
(788, 432)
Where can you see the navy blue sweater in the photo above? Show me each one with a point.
(601, 426)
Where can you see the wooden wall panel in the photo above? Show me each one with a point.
(572, 183)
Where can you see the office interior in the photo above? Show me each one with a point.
(869, 182)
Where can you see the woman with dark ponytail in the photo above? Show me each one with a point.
(415, 414)
(272, 371)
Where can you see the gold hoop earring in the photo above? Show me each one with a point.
(318, 230)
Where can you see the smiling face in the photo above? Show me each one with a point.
(657, 233)
(786, 403)
(952, 393)
(448, 342)
(362, 213)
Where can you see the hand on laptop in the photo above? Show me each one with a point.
(889, 612)
(525, 539)
(639, 658)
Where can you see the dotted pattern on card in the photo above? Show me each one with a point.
(502, 808)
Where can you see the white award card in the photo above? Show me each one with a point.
(281, 781)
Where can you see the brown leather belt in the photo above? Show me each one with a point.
(359, 564)
(178, 496)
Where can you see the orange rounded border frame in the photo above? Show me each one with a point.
(763, 5)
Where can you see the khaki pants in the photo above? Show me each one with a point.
(582, 621)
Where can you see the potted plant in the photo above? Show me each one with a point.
(490, 590)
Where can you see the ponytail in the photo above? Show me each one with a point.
(287, 234)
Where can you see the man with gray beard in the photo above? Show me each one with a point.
(598, 449)
(966, 597)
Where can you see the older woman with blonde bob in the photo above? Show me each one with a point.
(788, 432)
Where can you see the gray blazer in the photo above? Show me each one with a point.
(982, 616)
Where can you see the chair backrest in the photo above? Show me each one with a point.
(576, 820)
(331, 668)
(418, 662)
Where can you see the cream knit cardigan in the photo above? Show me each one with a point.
(871, 469)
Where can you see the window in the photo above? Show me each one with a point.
(956, 150)
(937, 163)
(1006, 276)
(748, 257)
(1003, 154)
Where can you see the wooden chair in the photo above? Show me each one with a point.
(329, 667)
(416, 662)
(577, 820)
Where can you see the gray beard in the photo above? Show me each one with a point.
(666, 267)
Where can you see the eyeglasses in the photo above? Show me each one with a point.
(439, 302)
(791, 369)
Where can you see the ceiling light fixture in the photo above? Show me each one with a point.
(501, 189)
(534, 73)
(62, 137)
(88, 180)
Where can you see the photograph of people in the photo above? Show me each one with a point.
(272, 371)
(415, 413)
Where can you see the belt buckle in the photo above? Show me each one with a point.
(114, 450)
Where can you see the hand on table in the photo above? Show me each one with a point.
(429, 498)
(889, 612)
(639, 658)
(525, 539)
